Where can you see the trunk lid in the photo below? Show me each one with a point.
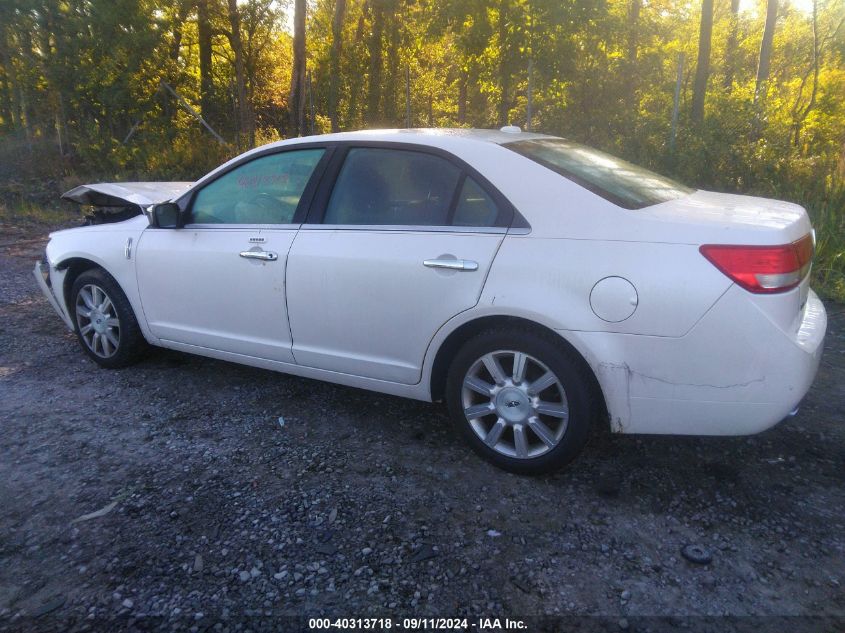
(733, 219)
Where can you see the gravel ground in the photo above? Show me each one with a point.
(211, 515)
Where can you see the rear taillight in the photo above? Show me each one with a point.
(763, 269)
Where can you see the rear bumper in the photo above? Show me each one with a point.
(42, 276)
(737, 372)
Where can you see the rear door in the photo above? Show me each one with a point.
(400, 244)
(219, 282)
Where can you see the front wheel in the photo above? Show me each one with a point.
(104, 321)
(521, 399)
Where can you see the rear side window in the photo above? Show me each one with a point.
(474, 206)
(392, 187)
(614, 179)
(265, 190)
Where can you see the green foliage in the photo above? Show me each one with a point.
(825, 207)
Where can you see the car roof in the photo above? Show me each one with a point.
(423, 136)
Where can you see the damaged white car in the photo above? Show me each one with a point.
(538, 286)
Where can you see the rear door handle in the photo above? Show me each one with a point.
(266, 256)
(452, 264)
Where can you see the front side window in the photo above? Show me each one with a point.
(612, 178)
(265, 190)
(393, 187)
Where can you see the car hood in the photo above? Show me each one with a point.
(120, 194)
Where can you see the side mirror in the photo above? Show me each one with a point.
(166, 215)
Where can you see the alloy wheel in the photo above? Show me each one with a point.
(97, 319)
(515, 404)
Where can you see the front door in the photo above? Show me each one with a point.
(219, 282)
(404, 244)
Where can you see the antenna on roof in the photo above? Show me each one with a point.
(511, 129)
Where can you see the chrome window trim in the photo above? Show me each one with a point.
(409, 228)
(240, 227)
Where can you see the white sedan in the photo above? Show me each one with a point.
(538, 286)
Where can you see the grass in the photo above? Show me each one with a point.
(24, 212)
(827, 213)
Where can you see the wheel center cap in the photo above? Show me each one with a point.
(512, 404)
(99, 322)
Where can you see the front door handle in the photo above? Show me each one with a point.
(266, 256)
(451, 264)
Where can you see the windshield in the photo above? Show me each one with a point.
(612, 178)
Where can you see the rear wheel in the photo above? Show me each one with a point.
(521, 399)
(104, 321)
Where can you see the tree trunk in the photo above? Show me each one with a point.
(297, 78)
(53, 69)
(244, 110)
(731, 46)
(354, 114)
(5, 100)
(766, 51)
(31, 64)
(702, 69)
(633, 25)
(334, 61)
(185, 7)
(395, 74)
(206, 82)
(178, 24)
(631, 55)
(800, 114)
(504, 68)
(374, 83)
(12, 83)
(462, 98)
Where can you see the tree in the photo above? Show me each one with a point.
(731, 45)
(296, 99)
(334, 63)
(205, 53)
(765, 57)
(462, 97)
(702, 69)
(394, 73)
(634, 7)
(12, 117)
(245, 115)
(174, 74)
(801, 109)
(357, 62)
(504, 68)
(77, 76)
(375, 52)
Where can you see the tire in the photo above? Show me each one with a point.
(104, 322)
(517, 421)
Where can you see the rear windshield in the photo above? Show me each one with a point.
(611, 178)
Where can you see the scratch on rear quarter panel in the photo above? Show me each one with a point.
(694, 384)
(615, 378)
